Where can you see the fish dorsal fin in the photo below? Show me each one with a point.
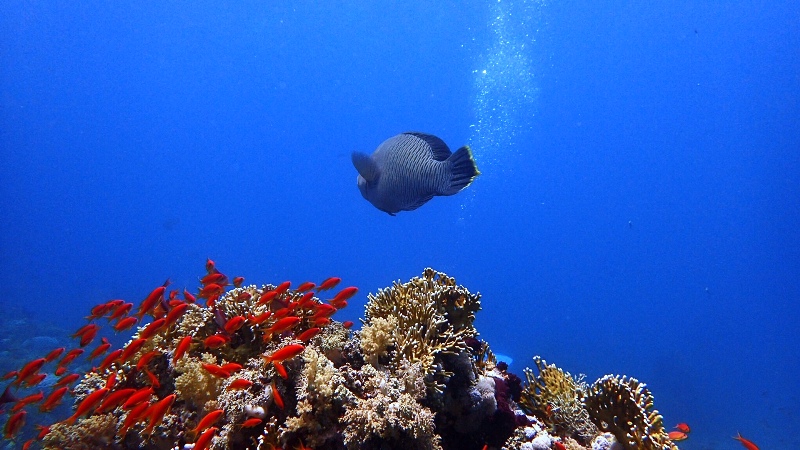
(438, 147)
(366, 166)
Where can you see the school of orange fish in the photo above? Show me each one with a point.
(294, 312)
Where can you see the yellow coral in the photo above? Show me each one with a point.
(377, 337)
(625, 408)
(433, 316)
(555, 395)
(195, 384)
(96, 431)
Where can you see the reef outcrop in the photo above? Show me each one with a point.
(266, 367)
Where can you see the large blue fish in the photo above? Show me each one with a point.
(409, 169)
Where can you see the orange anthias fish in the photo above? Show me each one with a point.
(329, 283)
(208, 420)
(14, 423)
(239, 383)
(158, 411)
(87, 404)
(183, 345)
(152, 300)
(683, 427)
(746, 443)
(53, 400)
(205, 439)
(677, 435)
(290, 351)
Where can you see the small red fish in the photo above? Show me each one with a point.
(67, 379)
(683, 427)
(60, 370)
(237, 281)
(345, 294)
(307, 286)
(126, 323)
(54, 354)
(746, 443)
(29, 370)
(231, 367)
(305, 299)
(309, 334)
(214, 278)
(324, 310)
(53, 400)
(11, 374)
(152, 300)
(102, 348)
(329, 283)
(283, 287)
(142, 395)
(347, 323)
(189, 297)
(109, 359)
(243, 296)
(158, 411)
(558, 445)
(280, 369)
(321, 321)
(239, 383)
(216, 370)
(257, 320)
(153, 379)
(145, 359)
(233, 324)
(249, 423)
(205, 439)
(70, 356)
(43, 431)
(267, 297)
(208, 420)
(151, 329)
(277, 396)
(131, 349)
(114, 400)
(290, 351)
(33, 380)
(87, 404)
(210, 266)
(120, 311)
(284, 324)
(134, 416)
(215, 341)
(176, 313)
(111, 380)
(14, 424)
(677, 435)
(27, 400)
(211, 290)
(183, 345)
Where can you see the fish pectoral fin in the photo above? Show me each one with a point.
(366, 166)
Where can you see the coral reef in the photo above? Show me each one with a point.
(624, 406)
(267, 367)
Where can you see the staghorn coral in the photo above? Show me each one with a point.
(433, 316)
(625, 408)
(556, 395)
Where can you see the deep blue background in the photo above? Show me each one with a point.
(638, 211)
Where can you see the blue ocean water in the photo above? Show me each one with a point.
(637, 213)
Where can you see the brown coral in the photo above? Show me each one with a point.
(433, 316)
(556, 396)
(625, 408)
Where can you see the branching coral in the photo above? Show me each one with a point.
(625, 408)
(93, 432)
(389, 415)
(433, 316)
(556, 395)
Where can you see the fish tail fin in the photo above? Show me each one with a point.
(462, 170)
